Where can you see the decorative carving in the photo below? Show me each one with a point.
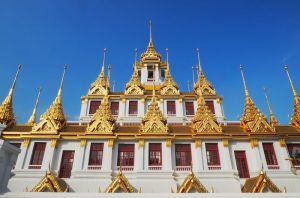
(120, 182)
(31, 121)
(168, 143)
(51, 183)
(53, 143)
(53, 120)
(253, 143)
(190, 182)
(101, 85)
(253, 121)
(282, 142)
(198, 143)
(225, 142)
(102, 121)
(204, 121)
(7, 116)
(82, 143)
(26, 142)
(141, 143)
(259, 183)
(110, 143)
(295, 119)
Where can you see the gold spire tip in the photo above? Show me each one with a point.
(150, 28)
(244, 81)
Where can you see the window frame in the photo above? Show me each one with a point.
(173, 113)
(192, 107)
(183, 156)
(93, 106)
(94, 152)
(154, 152)
(214, 159)
(37, 155)
(129, 149)
(270, 154)
(129, 106)
(113, 110)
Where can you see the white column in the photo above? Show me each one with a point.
(107, 157)
(21, 158)
(225, 156)
(197, 159)
(282, 154)
(79, 157)
(139, 166)
(48, 156)
(257, 162)
(179, 108)
(166, 157)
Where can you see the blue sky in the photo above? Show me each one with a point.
(263, 35)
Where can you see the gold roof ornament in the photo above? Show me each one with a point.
(7, 116)
(51, 183)
(150, 55)
(204, 121)
(120, 182)
(102, 121)
(259, 184)
(32, 119)
(169, 86)
(202, 83)
(53, 120)
(273, 120)
(192, 182)
(295, 119)
(154, 121)
(99, 86)
(253, 121)
(134, 86)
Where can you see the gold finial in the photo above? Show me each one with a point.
(108, 74)
(167, 53)
(244, 82)
(150, 29)
(193, 75)
(189, 88)
(135, 58)
(103, 62)
(153, 90)
(290, 79)
(62, 80)
(273, 120)
(15, 80)
(199, 64)
(32, 119)
(113, 85)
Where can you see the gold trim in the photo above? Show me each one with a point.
(190, 182)
(82, 143)
(225, 142)
(282, 142)
(110, 143)
(198, 143)
(120, 182)
(26, 142)
(53, 143)
(141, 143)
(168, 143)
(253, 143)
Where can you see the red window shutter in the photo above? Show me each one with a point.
(133, 107)
(171, 108)
(66, 164)
(210, 105)
(96, 154)
(189, 108)
(292, 152)
(183, 154)
(155, 157)
(38, 153)
(126, 154)
(241, 164)
(94, 105)
(212, 154)
(270, 154)
(114, 107)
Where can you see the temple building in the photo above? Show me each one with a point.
(153, 138)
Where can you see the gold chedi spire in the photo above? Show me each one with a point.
(295, 119)
(53, 120)
(102, 121)
(273, 120)
(6, 108)
(169, 86)
(204, 121)
(101, 85)
(154, 121)
(202, 83)
(134, 86)
(32, 120)
(150, 54)
(253, 121)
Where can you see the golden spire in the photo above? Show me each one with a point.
(204, 121)
(150, 54)
(169, 86)
(154, 121)
(202, 83)
(99, 86)
(134, 86)
(273, 120)
(31, 121)
(295, 119)
(102, 121)
(6, 108)
(53, 120)
(253, 121)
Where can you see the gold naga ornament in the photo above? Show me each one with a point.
(134, 86)
(295, 119)
(32, 119)
(273, 121)
(202, 83)
(102, 121)
(253, 121)
(7, 116)
(53, 120)
(101, 84)
(169, 86)
(150, 54)
(204, 121)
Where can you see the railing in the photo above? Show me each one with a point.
(34, 166)
(91, 167)
(126, 168)
(273, 167)
(183, 168)
(214, 167)
(154, 167)
(297, 167)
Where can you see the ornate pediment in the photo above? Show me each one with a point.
(103, 120)
(190, 182)
(295, 120)
(134, 86)
(120, 182)
(203, 85)
(169, 86)
(51, 183)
